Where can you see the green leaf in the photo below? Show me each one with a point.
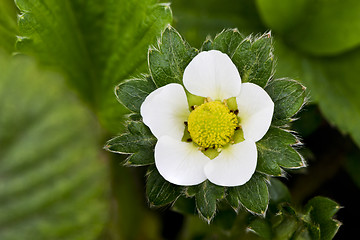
(159, 191)
(253, 195)
(288, 97)
(304, 24)
(185, 205)
(50, 165)
(254, 59)
(227, 41)
(321, 211)
(198, 19)
(206, 197)
(133, 92)
(8, 26)
(278, 191)
(275, 150)
(168, 61)
(97, 44)
(334, 86)
(138, 141)
(282, 19)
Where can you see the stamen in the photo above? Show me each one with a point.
(212, 125)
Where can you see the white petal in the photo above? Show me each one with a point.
(179, 162)
(165, 110)
(255, 111)
(212, 74)
(234, 166)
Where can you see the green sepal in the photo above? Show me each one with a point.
(138, 141)
(185, 205)
(168, 61)
(133, 92)
(288, 96)
(321, 211)
(254, 59)
(227, 41)
(262, 228)
(253, 195)
(206, 197)
(275, 150)
(207, 45)
(159, 191)
(314, 223)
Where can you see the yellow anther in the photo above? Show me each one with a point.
(212, 125)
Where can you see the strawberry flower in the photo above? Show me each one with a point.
(207, 129)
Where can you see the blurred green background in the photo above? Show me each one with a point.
(60, 61)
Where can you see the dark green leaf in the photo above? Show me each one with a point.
(254, 59)
(132, 93)
(168, 62)
(253, 195)
(262, 228)
(275, 150)
(227, 41)
(206, 197)
(97, 44)
(278, 191)
(286, 229)
(321, 211)
(185, 205)
(225, 219)
(50, 165)
(159, 191)
(288, 97)
(138, 141)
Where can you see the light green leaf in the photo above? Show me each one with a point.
(253, 195)
(281, 16)
(168, 61)
(254, 59)
(288, 96)
(159, 191)
(138, 141)
(275, 151)
(206, 198)
(97, 44)
(50, 167)
(8, 26)
(195, 20)
(310, 26)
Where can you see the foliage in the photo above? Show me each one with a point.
(52, 125)
(93, 44)
(283, 222)
(51, 169)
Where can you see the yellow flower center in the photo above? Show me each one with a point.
(212, 125)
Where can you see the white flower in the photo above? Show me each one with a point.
(213, 151)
